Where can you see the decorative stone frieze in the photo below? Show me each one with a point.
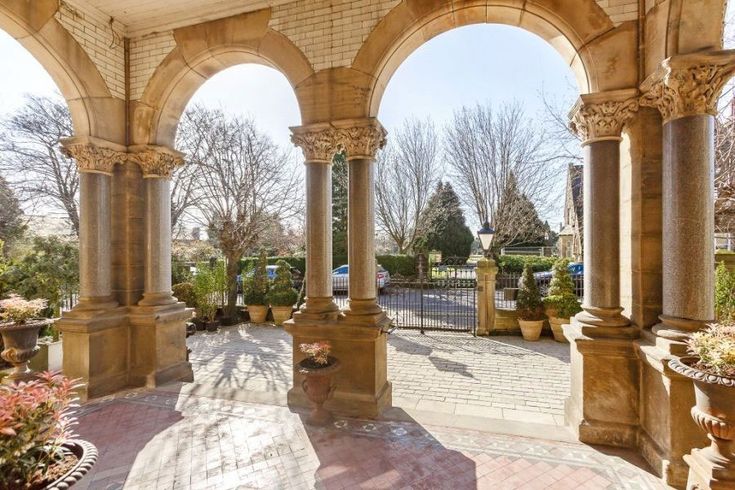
(601, 116)
(688, 85)
(156, 161)
(91, 157)
(358, 138)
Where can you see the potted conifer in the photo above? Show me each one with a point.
(529, 306)
(19, 329)
(561, 303)
(318, 368)
(256, 291)
(281, 295)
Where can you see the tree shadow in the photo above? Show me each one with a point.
(451, 366)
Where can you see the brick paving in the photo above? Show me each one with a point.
(158, 439)
(494, 377)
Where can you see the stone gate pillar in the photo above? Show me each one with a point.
(603, 406)
(684, 89)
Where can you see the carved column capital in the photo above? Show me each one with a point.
(601, 116)
(688, 85)
(359, 138)
(318, 142)
(157, 162)
(93, 155)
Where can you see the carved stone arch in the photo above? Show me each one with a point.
(201, 52)
(92, 106)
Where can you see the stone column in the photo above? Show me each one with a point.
(486, 271)
(319, 144)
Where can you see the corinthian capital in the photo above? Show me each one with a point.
(156, 161)
(359, 138)
(601, 116)
(93, 155)
(319, 142)
(688, 85)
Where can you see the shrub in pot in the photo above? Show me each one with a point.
(256, 291)
(36, 449)
(19, 329)
(185, 292)
(529, 306)
(281, 295)
(204, 293)
(318, 369)
(712, 369)
(561, 303)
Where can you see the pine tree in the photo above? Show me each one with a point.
(339, 205)
(256, 288)
(528, 302)
(561, 297)
(443, 225)
(517, 215)
(281, 292)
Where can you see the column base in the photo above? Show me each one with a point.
(317, 310)
(672, 333)
(365, 312)
(158, 345)
(603, 405)
(707, 469)
(95, 349)
(158, 299)
(362, 386)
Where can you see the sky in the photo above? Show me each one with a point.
(466, 66)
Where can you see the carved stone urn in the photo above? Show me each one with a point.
(20, 342)
(714, 412)
(318, 386)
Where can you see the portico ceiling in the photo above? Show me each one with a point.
(144, 16)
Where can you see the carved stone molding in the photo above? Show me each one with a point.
(688, 85)
(362, 141)
(91, 157)
(601, 116)
(358, 138)
(156, 161)
(319, 142)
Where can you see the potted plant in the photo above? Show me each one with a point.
(318, 368)
(50, 355)
(36, 449)
(256, 291)
(712, 369)
(561, 302)
(529, 306)
(281, 295)
(19, 329)
(206, 306)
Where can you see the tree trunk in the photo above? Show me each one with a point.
(233, 267)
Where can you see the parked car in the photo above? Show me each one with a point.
(543, 279)
(341, 278)
(296, 276)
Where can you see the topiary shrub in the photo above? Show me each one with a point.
(513, 264)
(205, 293)
(561, 298)
(724, 293)
(281, 293)
(256, 287)
(184, 291)
(529, 305)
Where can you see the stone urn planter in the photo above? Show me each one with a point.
(258, 313)
(86, 454)
(714, 413)
(318, 386)
(20, 344)
(281, 314)
(556, 327)
(531, 329)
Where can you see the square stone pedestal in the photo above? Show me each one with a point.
(708, 469)
(362, 383)
(603, 406)
(158, 345)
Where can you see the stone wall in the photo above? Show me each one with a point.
(146, 53)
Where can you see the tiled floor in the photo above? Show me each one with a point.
(455, 373)
(166, 439)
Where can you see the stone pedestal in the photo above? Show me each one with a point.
(486, 271)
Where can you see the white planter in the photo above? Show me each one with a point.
(49, 358)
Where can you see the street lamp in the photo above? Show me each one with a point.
(486, 235)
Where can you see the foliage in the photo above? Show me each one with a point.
(205, 288)
(724, 293)
(297, 262)
(281, 292)
(715, 348)
(401, 265)
(318, 352)
(561, 297)
(18, 310)
(256, 287)
(11, 222)
(339, 204)
(509, 264)
(515, 207)
(34, 423)
(185, 291)
(443, 225)
(528, 302)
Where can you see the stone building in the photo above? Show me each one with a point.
(649, 73)
(570, 236)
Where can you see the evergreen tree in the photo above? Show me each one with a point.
(528, 303)
(256, 288)
(561, 296)
(281, 292)
(443, 225)
(517, 220)
(339, 205)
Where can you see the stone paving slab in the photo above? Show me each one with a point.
(155, 439)
(454, 373)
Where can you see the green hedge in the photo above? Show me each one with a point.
(297, 262)
(511, 264)
(404, 265)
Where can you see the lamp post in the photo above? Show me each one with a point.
(486, 271)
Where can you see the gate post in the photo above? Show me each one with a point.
(486, 271)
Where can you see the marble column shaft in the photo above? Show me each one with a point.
(361, 230)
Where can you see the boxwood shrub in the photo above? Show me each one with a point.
(514, 264)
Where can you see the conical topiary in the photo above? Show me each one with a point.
(561, 298)
(256, 287)
(528, 302)
(281, 292)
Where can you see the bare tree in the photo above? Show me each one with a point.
(31, 159)
(244, 183)
(500, 161)
(725, 167)
(408, 171)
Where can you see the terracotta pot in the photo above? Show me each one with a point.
(87, 454)
(318, 386)
(556, 324)
(20, 343)
(258, 313)
(531, 330)
(714, 413)
(281, 314)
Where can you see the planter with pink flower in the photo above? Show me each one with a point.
(318, 369)
(20, 323)
(37, 448)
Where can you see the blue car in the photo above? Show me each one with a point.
(576, 270)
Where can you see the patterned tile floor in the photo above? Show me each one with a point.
(166, 439)
(502, 378)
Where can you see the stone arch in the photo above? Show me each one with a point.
(34, 26)
(601, 55)
(201, 52)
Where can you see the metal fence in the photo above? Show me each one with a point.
(506, 288)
